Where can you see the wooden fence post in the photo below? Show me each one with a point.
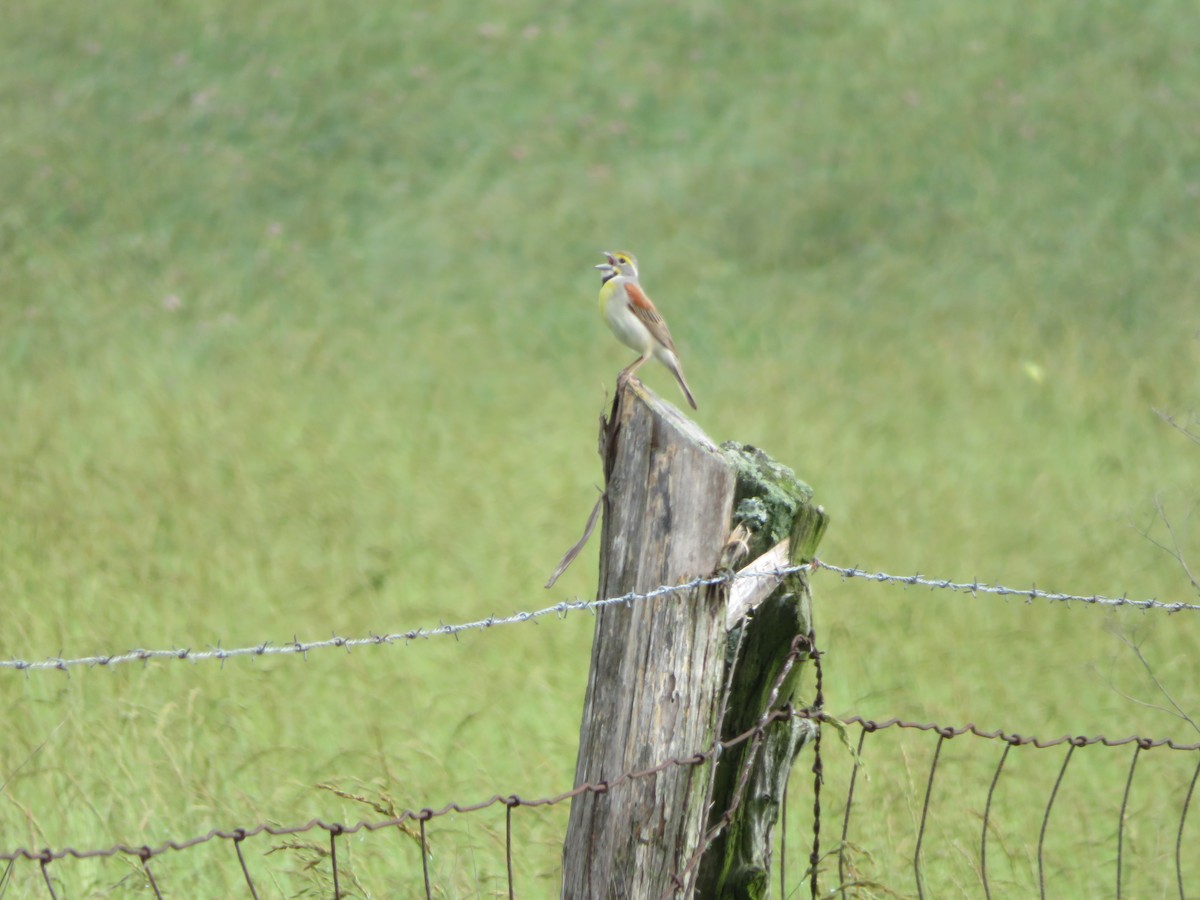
(663, 672)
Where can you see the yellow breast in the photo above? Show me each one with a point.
(606, 293)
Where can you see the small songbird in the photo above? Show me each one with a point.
(634, 320)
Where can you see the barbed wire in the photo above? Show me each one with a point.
(299, 647)
(977, 587)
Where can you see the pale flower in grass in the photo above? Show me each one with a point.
(171, 303)
(203, 99)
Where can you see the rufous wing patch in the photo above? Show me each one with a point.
(645, 311)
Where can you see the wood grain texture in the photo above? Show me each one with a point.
(670, 676)
(655, 679)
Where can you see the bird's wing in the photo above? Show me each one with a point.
(648, 315)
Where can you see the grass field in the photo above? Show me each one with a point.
(298, 336)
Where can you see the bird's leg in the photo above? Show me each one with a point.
(627, 372)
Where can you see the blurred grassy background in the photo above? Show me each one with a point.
(299, 337)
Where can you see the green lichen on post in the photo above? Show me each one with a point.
(750, 884)
(767, 497)
(807, 530)
(775, 506)
(738, 865)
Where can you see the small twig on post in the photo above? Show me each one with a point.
(569, 556)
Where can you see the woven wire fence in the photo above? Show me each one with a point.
(829, 836)
(847, 847)
(997, 798)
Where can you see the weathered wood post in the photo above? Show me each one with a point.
(672, 675)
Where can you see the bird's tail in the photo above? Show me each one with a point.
(677, 371)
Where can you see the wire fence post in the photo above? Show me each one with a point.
(659, 674)
(656, 667)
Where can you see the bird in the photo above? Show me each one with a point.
(634, 320)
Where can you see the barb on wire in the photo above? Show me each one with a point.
(976, 587)
(297, 646)
(302, 648)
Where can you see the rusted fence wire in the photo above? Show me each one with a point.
(46, 858)
(145, 853)
(299, 647)
(1009, 741)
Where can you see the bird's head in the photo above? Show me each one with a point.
(619, 263)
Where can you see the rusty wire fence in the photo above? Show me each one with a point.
(829, 836)
(949, 823)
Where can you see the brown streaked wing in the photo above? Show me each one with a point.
(649, 316)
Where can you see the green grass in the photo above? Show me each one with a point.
(297, 336)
